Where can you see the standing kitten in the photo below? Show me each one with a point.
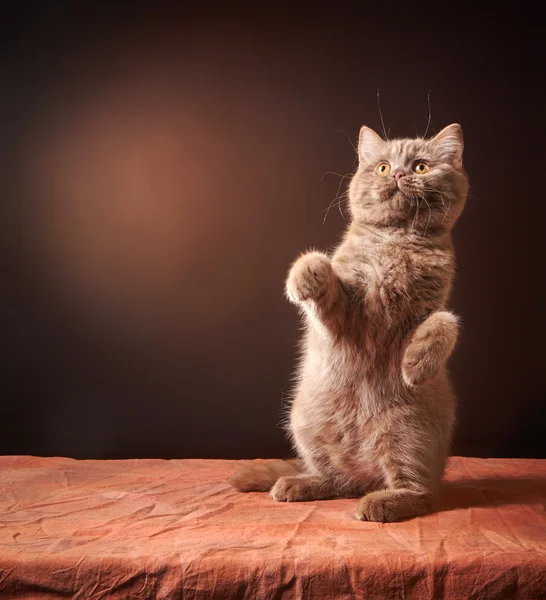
(374, 410)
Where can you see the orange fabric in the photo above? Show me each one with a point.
(174, 529)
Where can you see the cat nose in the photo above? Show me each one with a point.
(398, 173)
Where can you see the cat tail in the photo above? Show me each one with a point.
(262, 476)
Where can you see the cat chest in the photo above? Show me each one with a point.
(395, 289)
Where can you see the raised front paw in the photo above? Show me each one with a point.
(309, 277)
(429, 348)
(419, 365)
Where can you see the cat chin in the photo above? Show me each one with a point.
(406, 193)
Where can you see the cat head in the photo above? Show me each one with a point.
(413, 183)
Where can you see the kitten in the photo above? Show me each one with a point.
(373, 411)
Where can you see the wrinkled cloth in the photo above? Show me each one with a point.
(138, 529)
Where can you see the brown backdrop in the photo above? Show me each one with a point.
(162, 169)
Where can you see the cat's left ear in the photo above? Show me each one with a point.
(449, 144)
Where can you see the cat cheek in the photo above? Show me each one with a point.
(380, 192)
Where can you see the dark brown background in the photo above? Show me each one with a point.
(161, 170)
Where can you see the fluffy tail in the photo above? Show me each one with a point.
(261, 477)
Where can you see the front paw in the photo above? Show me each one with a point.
(430, 347)
(418, 366)
(288, 489)
(309, 277)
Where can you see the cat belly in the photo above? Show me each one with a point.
(331, 433)
(351, 434)
(349, 418)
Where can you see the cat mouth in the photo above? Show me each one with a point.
(404, 190)
(390, 192)
(399, 192)
(396, 189)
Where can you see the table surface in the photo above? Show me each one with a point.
(172, 529)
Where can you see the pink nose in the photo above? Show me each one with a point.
(398, 173)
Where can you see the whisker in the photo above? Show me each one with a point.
(434, 190)
(416, 213)
(347, 136)
(442, 194)
(333, 203)
(337, 201)
(429, 114)
(429, 214)
(341, 212)
(334, 173)
(381, 116)
(338, 197)
(448, 209)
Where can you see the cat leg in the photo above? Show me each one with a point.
(304, 488)
(411, 476)
(312, 283)
(262, 475)
(429, 348)
(408, 493)
(390, 505)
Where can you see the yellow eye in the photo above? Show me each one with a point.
(421, 168)
(382, 169)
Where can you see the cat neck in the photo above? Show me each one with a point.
(402, 233)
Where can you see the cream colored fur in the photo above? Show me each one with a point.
(373, 410)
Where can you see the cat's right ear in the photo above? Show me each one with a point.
(369, 143)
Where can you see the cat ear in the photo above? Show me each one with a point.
(369, 143)
(449, 143)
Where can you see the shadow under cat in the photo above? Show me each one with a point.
(494, 491)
